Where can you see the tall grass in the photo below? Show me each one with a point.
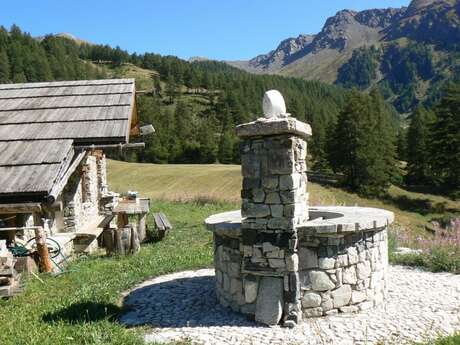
(439, 252)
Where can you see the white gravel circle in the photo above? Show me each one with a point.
(420, 306)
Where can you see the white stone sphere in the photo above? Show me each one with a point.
(273, 104)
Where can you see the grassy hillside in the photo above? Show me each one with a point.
(223, 182)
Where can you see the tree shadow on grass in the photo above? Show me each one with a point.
(183, 302)
(84, 312)
(421, 206)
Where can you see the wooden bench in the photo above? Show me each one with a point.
(162, 224)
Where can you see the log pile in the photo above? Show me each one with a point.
(9, 278)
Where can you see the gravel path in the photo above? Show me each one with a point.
(420, 306)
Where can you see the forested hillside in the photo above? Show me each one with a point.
(193, 106)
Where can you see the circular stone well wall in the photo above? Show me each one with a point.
(342, 262)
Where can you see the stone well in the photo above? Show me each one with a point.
(280, 260)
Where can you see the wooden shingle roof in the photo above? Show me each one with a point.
(87, 111)
(40, 123)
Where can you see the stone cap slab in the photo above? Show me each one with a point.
(227, 223)
(323, 221)
(274, 126)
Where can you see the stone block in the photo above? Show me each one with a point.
(311, 300)
(349, 275)
(363, 270)
(250, 165)
(358, 297)
(327, 305)
(326, 263)
(290, 182)
(273, 198)
(277, 263)
(234, 269)
(258, 195)
(313, 312)
(281, 162)
(308, 258)
(352, 256)
(341, 296)
(219, 278)
(320, 281)
(247, 251)
(305, 283)
(251, 210)
(269, 305)
(280, 224)
(366, 305)
(376, 279)
(342, 260)
(236, 286)
(292, 263)
(250, 290)
(349, 309)
(251, 183)
(277, 211)
(226, 280)
(270, 183)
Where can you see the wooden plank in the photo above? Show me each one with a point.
(65, 102)
(32, 179)
(66, 91)
(66, 130)
(64, 115)
(165, 221)
(66, 83)
(33, 152)
(159, 222)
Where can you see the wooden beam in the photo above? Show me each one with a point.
(59, 186)
(20, 208)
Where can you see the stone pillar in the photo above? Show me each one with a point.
(274, 205)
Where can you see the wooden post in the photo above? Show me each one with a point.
(109, 240)
(135, 243)
(119, 249)
(142, 227)
(42, 250)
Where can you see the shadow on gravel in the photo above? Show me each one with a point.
(185, 302)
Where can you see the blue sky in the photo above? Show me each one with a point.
(218, 29)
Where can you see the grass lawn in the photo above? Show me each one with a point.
(81, 306)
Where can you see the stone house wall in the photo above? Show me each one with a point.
(81, 196)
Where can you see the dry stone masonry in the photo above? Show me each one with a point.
(281, 261)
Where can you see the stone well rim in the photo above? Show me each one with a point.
(323, 220)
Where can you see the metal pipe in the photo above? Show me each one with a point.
(110, 146)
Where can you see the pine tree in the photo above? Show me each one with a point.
(418, 147)
(226, 148)
(445, 139)
(364, 147)
(4, 67)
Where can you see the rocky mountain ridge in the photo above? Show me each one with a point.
(408, 52)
